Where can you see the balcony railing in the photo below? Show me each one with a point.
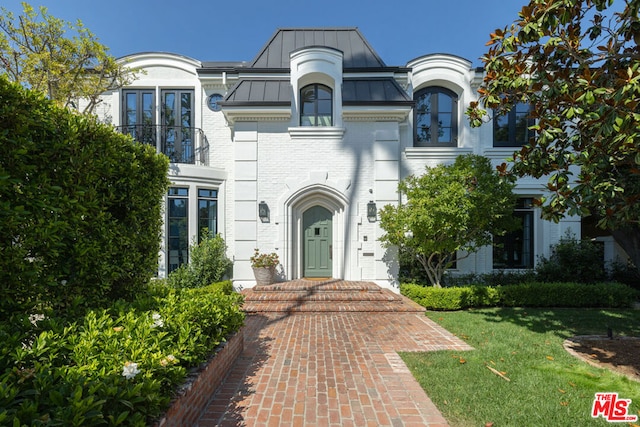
(180, 144)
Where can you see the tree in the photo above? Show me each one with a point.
(577, 64)
(36, 52)
(450, 211)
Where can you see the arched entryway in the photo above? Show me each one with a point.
(326, 207)
(317, 242)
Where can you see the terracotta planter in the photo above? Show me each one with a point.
(264, 275)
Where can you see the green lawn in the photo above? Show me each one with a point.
(546, 387)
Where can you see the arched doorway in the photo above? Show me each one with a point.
(317, 242)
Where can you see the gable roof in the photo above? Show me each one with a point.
(355, 49)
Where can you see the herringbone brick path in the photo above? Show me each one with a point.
(329, 368)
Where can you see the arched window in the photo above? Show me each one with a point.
(316, 102)
(436, 117)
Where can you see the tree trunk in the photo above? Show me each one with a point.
(629, 240)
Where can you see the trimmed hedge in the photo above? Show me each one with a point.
(80, 207)
(115, 366)
(534, 294)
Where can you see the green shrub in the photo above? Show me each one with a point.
(208, 264)
(74, 374)
(564, 294)
(572, 260)
(452, 298)
(535, 294)
(80, 207)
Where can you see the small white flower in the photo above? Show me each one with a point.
(130, 370)
(63, 282)
(157, 321)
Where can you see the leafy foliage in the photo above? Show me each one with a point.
(533, 294)
(264, 260)
(80, 207)
(572, 260)
(35, 51)
(577, 64)
(52, 373)
(208, 264)
(451, 210)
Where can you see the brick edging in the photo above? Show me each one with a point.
(195, 394)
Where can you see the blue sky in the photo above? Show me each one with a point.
(235, 30)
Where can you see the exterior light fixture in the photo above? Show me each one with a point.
(372, 211)
(263, 211)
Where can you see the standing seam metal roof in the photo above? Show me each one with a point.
(357, 52)
(354, 92)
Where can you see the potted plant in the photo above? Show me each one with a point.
(264, 267)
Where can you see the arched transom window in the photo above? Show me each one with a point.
(436, 117)
(316, 102)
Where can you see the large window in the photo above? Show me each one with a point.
(207, 212)
(436, 117)
(515, 249)
(139, 115)
(178, 227)
(512, 129)
(177, 121)
(316, 102)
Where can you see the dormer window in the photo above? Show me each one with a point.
(436, 117)
(316, 105)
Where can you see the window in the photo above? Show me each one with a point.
(515, 249)
(207, 212)
(177, 125)
(436, 117)
(139, 115)
(512, 129)
(316, 102)
(178, 227)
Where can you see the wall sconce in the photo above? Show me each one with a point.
(263, 211)
(372, 211)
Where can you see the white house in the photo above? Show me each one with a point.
(293, 151)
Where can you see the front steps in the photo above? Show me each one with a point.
(325, 296)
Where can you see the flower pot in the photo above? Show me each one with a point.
(264, 275)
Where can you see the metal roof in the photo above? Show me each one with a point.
(260, 92)
(357, 52)
(354, 92)
(369, 91)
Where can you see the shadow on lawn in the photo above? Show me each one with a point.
(567, 322)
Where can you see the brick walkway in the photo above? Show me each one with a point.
(340, 368)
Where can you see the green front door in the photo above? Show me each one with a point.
(318, 243)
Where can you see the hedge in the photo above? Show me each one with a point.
(534, 294)
(80, 207)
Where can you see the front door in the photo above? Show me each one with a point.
(318, 244)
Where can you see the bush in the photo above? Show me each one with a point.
(80, 207)
(452, 298)
(534, 294)
(573, 260)
(208, 264)
(118, 366)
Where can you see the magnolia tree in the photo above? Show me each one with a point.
(449, 213)
(577, 64)
(64, 61)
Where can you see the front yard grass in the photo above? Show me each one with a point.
(547, 386)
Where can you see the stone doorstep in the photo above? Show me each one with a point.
(193, 396)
